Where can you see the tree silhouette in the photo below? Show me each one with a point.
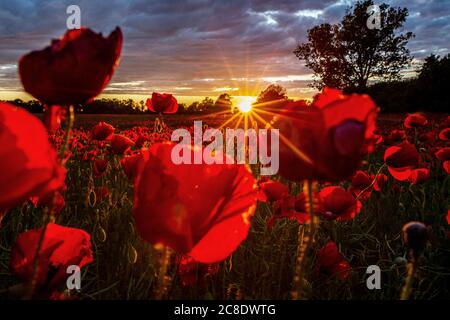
(273, 92)
(224, 102)
(433, 81)
(349, 54)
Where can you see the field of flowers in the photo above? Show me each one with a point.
(360, 223)
(95, 207)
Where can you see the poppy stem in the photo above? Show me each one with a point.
(34, 276)
(407, 288)
(67, 135)
(48, 216)
(372, 184)
(305, 243)
(163, 278)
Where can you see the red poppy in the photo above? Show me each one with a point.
(141, 139)
(102, 131)
(28, 164)
(445, 134)
(61, 247)
(274, 190)
(445, 123)
(100, 166)
(101, 193)
(54, 201)
(339, 204)
(331, 263)
(201, 210)
(448, 216)
(361, 181)
(133, 164)
(415, 120)
(380, 181)
(401, 160)
(429, 137)
(419, 175)
(120, 144)
(162, 103)
(53, 116)
(327, 140)
(290, 207)
(443, 154)
(72, 70)
(446, 166)
(395, 136)
(194, 273)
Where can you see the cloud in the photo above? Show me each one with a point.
(194, 47)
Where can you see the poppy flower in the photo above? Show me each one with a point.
(28, 162)
(339, 204)
(446, 166)
(54, 201)
(448, 216)
(61, 247)
(101, 193)
(415, 120)
(395, 136)
(429, 137)
(327, 140)
(162, 103)
(274, 190)
(102, 131)
(380, 181)
(361, 181)
(401, 160)
(290, 207)
(141, 139)
(72, 70)
(193, 273)
(199, 210)
(443, 154)
(331, 263)
(445, 134)
(100, 166)
(133, 165)
(53, 116)
(445, 123)
(419, 175)
(120, 144)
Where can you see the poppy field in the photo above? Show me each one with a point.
(95, 207)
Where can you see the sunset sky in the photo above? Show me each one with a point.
(200, 48)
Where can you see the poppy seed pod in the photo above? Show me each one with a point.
(415, 236)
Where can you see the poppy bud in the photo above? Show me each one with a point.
(415, 236)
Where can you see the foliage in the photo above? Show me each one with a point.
(349, 54)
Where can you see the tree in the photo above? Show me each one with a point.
(273, 92)
(206, 104)
(224, 102)
(433, 81)
(349, 54)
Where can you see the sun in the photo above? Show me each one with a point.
(245, 104)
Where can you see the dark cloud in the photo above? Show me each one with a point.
(198, 47)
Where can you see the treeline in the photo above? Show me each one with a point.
(427, 92)
(129, 106)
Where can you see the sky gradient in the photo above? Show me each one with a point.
(201, 48)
